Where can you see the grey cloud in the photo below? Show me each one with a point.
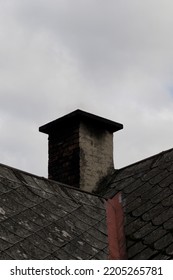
(113, 58)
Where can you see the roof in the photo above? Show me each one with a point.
(42, 219)
(79, 115)
(147, 189)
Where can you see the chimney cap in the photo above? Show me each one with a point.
(79, 115)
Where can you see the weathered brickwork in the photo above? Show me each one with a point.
(64, 156)
(96, 155)
(80, 155)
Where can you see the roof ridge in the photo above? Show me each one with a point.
(46, 179)
(148, 158)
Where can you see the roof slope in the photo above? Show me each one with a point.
(147, 189)
(41, 219)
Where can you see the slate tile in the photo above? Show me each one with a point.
(54, 237)
(154, 235)
(136, 249)
(169, 250)
(62, 205)
(168, 224)
(69, 199)
(27, 191)
(100, 256)
(82, 216)
(101, 226)
(170, 167)
(72, 225)
(44, 185)
(7, 199)
(142, 232)
(64, 230)
(59, 188)
(24, 220)
(94, 241)
(44, 213)
(67, 195)
(156, 189)
(161, 256)
(158, 160)
(54, 211)
(51, 257)
(85, 198)
(168, 156)
(5, 212)
(150, 174)
(171, 186)
(142, 208)
(163, 217)
(130, 242)
(167, 181)
(5, 256)
(168, 201)
(161, 195)
(36, 218)
(108, 193)
(28, 178)
(11, 184)
(143, 189)
(4, 187)
(53, 186)
(135, 184)
(122, 184)
(4, 245)
(105, 250)
(15, 228)
(63, 255)
(94, 212)
(83, 246)
(7, 173)
(153, 212)
(16, 252)
(35, 252)
(159, 177)
(121, 174)
(76, 252)
(133, 205)
(19, 198)
(98, 235)
(41, 193)
(8, 236)
(146, 254)
(37, 241)
(71, 203)
(128, 219)
(134, 226)
(163, 242)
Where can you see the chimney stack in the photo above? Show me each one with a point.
(80, 149)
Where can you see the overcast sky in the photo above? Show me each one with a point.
(113, 58)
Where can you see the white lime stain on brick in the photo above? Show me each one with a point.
(96, 156)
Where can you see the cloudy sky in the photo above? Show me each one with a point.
(112, 58)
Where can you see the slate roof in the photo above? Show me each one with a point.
(147, 189)
(42, 219)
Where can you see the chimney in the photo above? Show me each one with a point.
(80, 149)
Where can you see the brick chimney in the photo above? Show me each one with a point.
(80, 149)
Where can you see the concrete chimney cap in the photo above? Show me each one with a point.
(79, 115)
